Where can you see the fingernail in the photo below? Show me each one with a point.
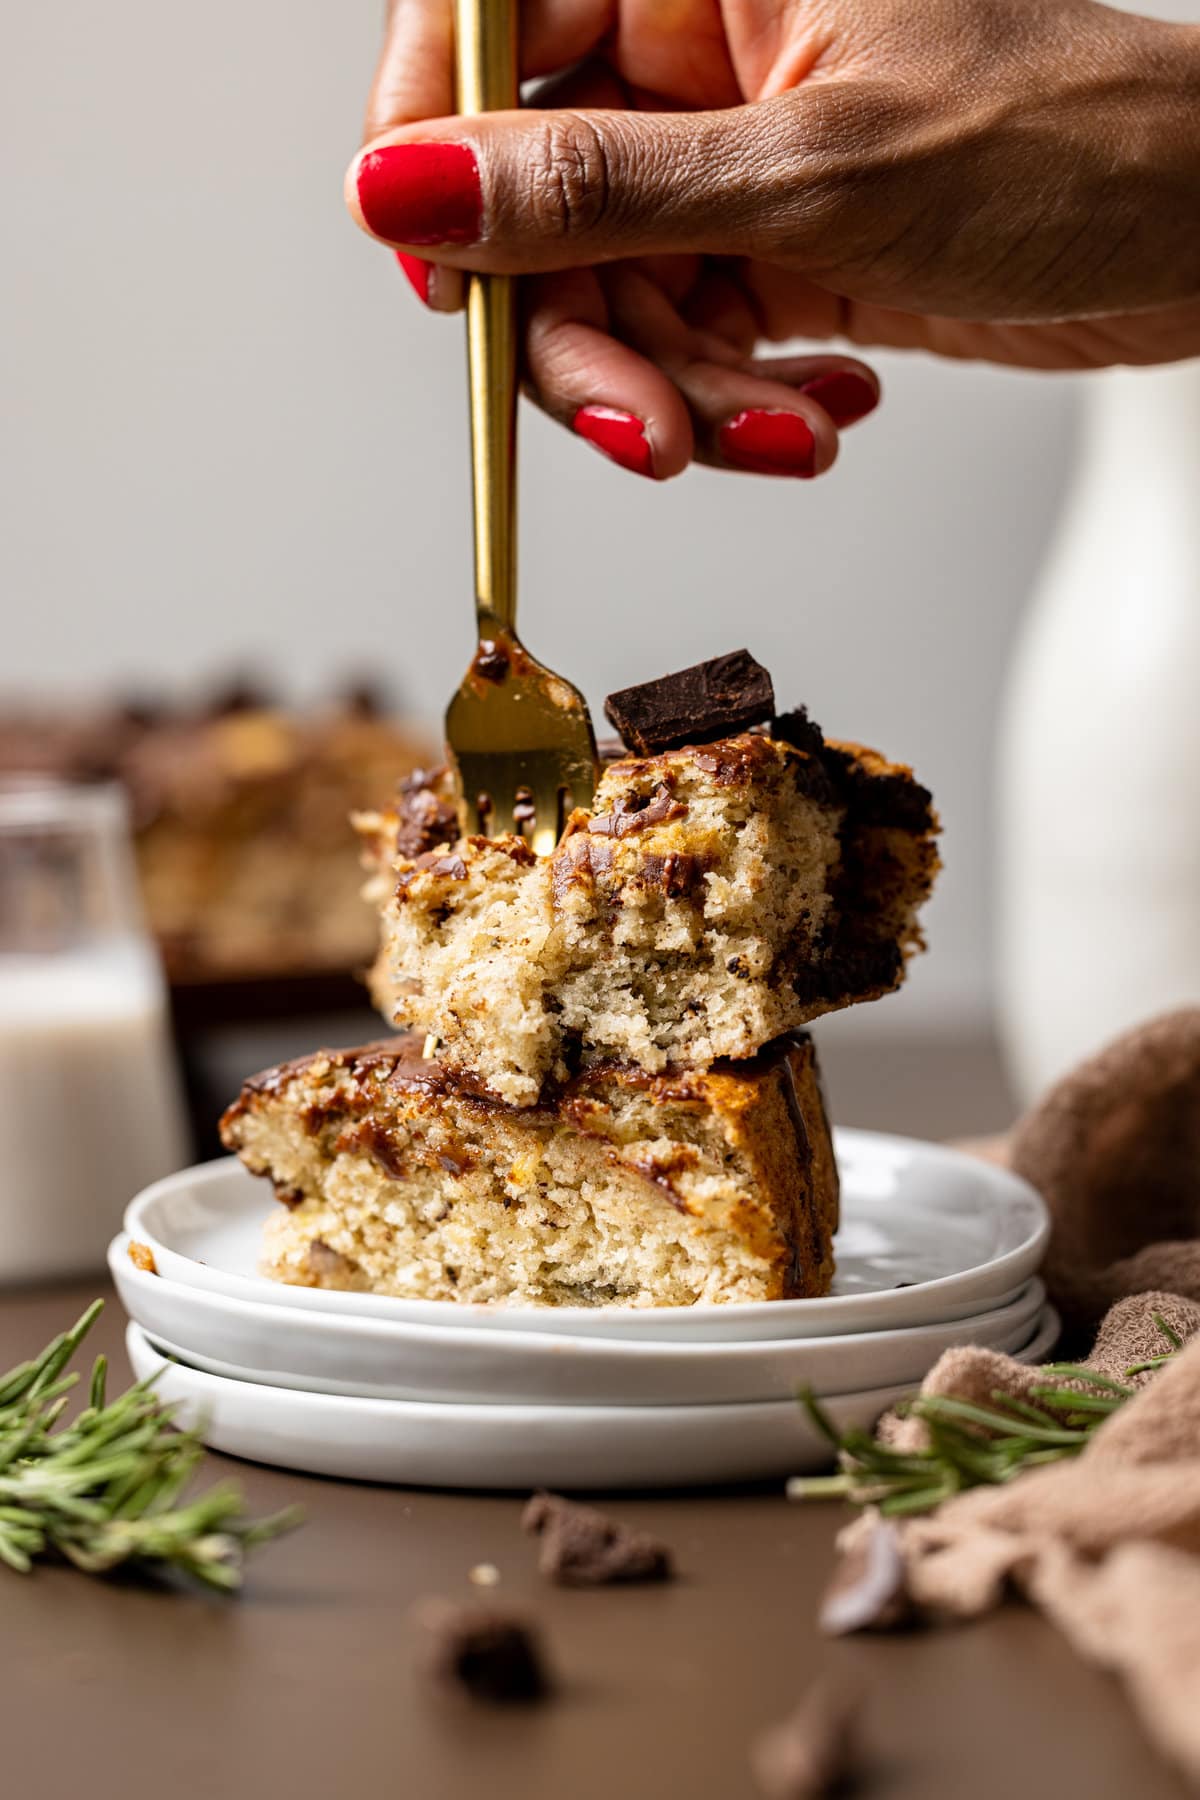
(421, 193)
(845, 397)
(418, 272)
(618, 435)
(769, 443)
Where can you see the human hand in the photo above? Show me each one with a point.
(1013, 180)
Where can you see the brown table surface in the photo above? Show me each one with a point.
(304, 1686)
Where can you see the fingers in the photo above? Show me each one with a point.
(611, 357)
(605, 391)
(519, 192)
(778, 418)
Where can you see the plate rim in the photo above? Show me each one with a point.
(615, 1349)
(656, 1322)
(571, 1416)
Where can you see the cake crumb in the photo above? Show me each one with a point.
(484, 1575)
(142, 1257)
(583, 1548)
(485, 1653)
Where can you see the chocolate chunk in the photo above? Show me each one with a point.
(812, 1752)
(694, 706)
(637, 812)
(425, 818)
(486, 1653)
(583, 1548)
(453, 868)
(798, 730)
(869, 1591)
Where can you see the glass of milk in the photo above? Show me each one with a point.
(90, 1108)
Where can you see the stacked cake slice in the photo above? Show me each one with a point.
(605, 1095)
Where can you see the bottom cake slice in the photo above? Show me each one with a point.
(396, 1177)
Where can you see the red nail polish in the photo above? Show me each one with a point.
(845, 396)
(418, 272)
(421, 193)
(617, 435)
(769, 443)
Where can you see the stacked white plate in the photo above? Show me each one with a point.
(936, 1248)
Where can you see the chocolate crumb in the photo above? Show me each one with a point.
(711, 700)
(491, 661)
(142, 1257)
(869, 1591)
(483, 1652)
(814, 1751)
(583, 1548)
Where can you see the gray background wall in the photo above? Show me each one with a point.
(234, 438)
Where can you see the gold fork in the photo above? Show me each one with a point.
(520, 735)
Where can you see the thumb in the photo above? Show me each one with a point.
(515, 192)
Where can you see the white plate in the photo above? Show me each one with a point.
(387, 1359)
(928, 1234)
(421, 1444)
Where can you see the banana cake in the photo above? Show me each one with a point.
(715, 896)
(397, 1175)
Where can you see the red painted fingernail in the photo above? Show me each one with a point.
(617, 435)
(769, 443)
(418, 272)
(846, 397)
(421, 193)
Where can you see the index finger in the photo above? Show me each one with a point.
(414, 77)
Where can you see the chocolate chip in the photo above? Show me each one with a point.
(711, 700)
(869, 1590)
(453, 868)
(812, 1752)
(583, 1548)
(425, 817)
(637, 812)
(488, 1654)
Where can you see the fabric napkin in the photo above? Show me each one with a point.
(1107, 1545)
(1114, 1149)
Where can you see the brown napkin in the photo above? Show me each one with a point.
(1115, 1150)
(1107, 1545)
(1128, 1335)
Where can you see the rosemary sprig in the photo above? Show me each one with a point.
(972, 1445)
(104, 1491)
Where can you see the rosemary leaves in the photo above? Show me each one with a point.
(971, 1445)
(104, 1490)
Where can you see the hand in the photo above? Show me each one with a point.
(1012, 180)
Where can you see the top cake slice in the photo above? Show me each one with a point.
(716, 896)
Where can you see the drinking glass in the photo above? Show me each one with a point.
(90, 1106)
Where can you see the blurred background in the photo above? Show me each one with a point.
(236, 443)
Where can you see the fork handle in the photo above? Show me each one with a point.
(486, 68)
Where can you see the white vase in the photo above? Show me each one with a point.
(1099, 762)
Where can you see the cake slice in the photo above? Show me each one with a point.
(716, 896)
(397, 1176)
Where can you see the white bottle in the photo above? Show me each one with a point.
(1099, 766)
